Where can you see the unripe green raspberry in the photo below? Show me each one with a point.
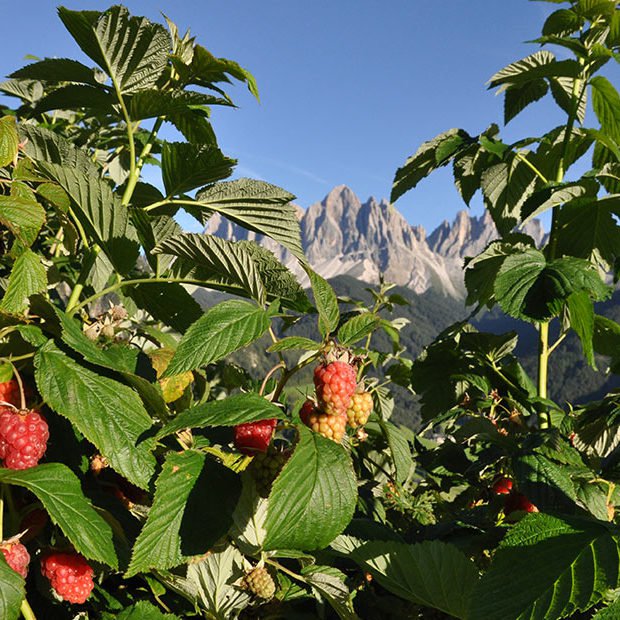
(265, 468)
(260, 583)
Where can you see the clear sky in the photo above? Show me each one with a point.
(349, 88)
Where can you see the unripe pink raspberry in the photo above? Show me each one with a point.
(359, 409)
(70, 575)
(16, 556)
(9, 392)
(335, 384)
(253, 437)
(23, 438)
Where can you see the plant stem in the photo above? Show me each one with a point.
(27, 611)
(286, 375)
(79, 285)
(543, 365)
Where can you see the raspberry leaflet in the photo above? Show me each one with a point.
(23, 438)
(70, 575)
(253, 437)
(260, 583)
(16, 556)
(335, 384)
(359, 409)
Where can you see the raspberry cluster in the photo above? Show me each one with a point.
(265, 468)
(16, 556)
(339, 401)
(23, 438)
(70, 575)
(254, 437)
(260, 582)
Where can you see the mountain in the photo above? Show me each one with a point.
(343, 236)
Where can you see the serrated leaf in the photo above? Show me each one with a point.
(606, 104)
(257, 206)
(106, 412)
(9, 140)
(226, 327)
(326, 302)
(432, 573)
(28, 277)
(192, 508)
(11, 593)
(581, 314)
(186, 166)
(59, 490)
(561, 22)
(317, 480)
(294, 342)
(143, 610)
(518, 97)
(606, 340)
(155, 102)
(131, 50)
(431, 155)
(24, 218)
(541, 64)
(75, 96)
(562, 89)
(550, 197)
(358, 327)
(568, 566)
(399, 449)
(230, 411)
(612, 612)
(333, 589)
(57, 70)
(224, 263)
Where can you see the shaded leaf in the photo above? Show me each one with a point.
(28, 277)
(9, 140)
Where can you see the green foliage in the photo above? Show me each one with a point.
(12, 591)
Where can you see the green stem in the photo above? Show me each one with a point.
(287, 374)
(532, 167)
(543, 366)
(27, 611)
(79, 285)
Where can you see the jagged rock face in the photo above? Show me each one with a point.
(343, 236)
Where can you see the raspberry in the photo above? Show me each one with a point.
(265, 468)
(23, 438)
(253, 437)
(502, 486)
(359, 409)
(330, 426)
(16, 556)
(70, 575)
(9, 392)
(517, 502)
(335, 384)
(260, 582)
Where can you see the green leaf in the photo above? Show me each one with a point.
(432, 573)
(28, 277)
(9, 140)
(332, 588)
(317, 480)
(399, 449)
(131, 50)
(568, 566)
(58, 70)
(11, 592)
(230, 411)
(109, 414)
(520, 96)
(357, 328)
(562, 89)
(326, 302)
(550, 197)
(186, 166)
(59, 490)
(217, 262)
(431, 155)
(561, 22)
(257, 206)
(24, 218)
(227, 327)
(581, 313)
(538, 65)
(143, 611)
(606, 104)
(75, 96)
(294, 342)
(192, 508)
(155, 102)
(612, 612)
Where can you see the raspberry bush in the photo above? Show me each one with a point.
(150, 475)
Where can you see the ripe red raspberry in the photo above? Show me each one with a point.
(335, 384)
(265, 468)
(502, 486)
(359, 409)
(253, 437)
(23, 438)
(70, 575)
(9, 392)
(330, 426)
(16, 556)
(517, 502)
(260, 582)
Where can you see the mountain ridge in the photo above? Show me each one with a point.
(341, 235)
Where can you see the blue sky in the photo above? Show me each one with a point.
(349, 88)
